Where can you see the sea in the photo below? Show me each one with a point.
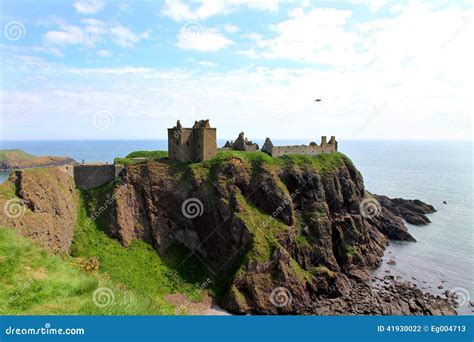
(441, 259)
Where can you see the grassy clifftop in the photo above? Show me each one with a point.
(11, 155)
(321, 162)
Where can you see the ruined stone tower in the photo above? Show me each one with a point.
(192, 144)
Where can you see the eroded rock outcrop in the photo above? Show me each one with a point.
(412, 211)
(41, 205)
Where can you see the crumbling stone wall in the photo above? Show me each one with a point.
(312, 149)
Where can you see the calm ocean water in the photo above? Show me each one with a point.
(431, 171)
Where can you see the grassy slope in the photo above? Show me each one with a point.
(138, 268)
(35, 282)
(14, 155)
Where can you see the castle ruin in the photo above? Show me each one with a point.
(312, 149)
(194, 144)
(241, 144)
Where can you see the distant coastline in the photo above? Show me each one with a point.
(18, 159)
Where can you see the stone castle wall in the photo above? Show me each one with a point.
(312, 149)
(89, 176)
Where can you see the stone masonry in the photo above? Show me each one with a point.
(194, 144)
(241, 144)
(312, 149)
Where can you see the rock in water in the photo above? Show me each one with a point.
(412, 211)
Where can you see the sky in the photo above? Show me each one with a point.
(103, 69)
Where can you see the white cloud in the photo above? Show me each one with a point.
(252, 36)
(204, 40)
(91, 33)
(124, 37)
(316, 36)
(209, 64)
(182, 11)
(89, 6)
(230, 28)
(68, 35)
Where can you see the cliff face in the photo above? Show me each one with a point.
(297, 235)
(41, 205)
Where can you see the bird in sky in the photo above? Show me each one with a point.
(317, 100)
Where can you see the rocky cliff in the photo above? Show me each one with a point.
(41, 204)
(293, 235)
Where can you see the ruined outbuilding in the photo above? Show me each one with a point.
(241, 144)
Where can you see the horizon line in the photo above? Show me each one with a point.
(309, 139)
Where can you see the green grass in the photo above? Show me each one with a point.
(7, 190)
(138, 267)
(17, 155)
(37, 283)
(141, 157)
(322, 162)
(148, 154)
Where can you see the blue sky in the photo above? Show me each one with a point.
(98, 69)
